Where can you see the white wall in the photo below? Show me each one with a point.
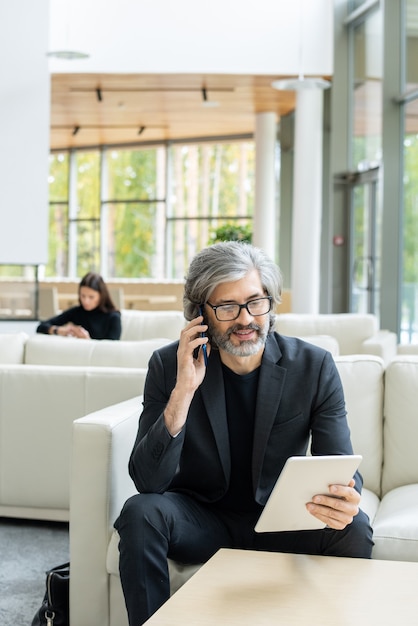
(194, 36)
(24, 131)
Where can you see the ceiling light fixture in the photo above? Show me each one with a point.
(67, 53)
(208, 103)
(301, 82)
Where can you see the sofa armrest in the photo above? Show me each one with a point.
(100, 484)
(383, 344)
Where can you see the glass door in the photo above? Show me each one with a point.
(363, 260)
(363, 271)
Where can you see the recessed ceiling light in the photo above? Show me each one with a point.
(210, 104)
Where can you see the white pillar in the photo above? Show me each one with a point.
(307, 202)
(264, 235)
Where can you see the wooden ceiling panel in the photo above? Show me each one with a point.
(110, 109)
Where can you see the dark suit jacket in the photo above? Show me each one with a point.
(299, 396)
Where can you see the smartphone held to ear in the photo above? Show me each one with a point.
(204, 349)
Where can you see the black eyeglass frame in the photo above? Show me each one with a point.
(241, 306)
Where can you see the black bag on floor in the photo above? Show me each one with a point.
(55, 609)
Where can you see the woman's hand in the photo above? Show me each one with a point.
(80, 332)
(72, 330)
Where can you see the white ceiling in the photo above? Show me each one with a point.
(194, 36)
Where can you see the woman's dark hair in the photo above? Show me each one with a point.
(96, 282)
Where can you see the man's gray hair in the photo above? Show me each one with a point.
(226, 262)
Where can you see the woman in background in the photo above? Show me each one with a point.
(96, 317)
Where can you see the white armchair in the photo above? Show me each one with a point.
(100, 484)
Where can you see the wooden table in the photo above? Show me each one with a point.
(246, 588)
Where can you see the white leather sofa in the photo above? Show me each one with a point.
(355, 333)
(45, 383)
(381, 408)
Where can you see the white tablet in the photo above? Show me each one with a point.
(302, 478)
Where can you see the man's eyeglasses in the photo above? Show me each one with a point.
(230, 312)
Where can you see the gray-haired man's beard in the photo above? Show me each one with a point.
(245, 348)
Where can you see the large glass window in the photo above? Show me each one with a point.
(409, 324)
(58, 215)
(409, 318)
(130, 239)
(411, 45)
(367, 92)
(132, 174)
(110, 210)
(133, 203)
(212, 184)
(84, 219)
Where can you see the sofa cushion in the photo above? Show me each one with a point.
(12, 348)
(395, 530)
(137, 325)
(400, 423)
(53, 350)
(370, 503)
(362, 377)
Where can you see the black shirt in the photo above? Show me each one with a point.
(241, 396)
(99, 324)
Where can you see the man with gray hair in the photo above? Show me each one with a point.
(224, 408)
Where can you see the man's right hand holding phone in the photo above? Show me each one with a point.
(190, 373)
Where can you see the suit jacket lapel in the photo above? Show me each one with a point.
(270, 389)
(213, 395)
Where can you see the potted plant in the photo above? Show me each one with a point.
(231, 232)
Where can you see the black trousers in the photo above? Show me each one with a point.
(153, 527)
